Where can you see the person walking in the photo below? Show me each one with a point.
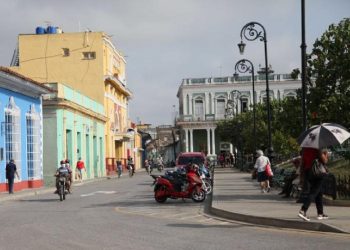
(315, 186)
(11, 171)
(79, 168)
(262, 177)
(119, 168)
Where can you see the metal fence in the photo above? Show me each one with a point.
(343, 187)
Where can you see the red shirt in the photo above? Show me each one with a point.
(308, 156)
(80, 165)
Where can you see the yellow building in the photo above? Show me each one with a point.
(87, 62)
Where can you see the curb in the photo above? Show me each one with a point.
(281, 223)
(266, 221)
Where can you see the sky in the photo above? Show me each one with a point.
(165, 41)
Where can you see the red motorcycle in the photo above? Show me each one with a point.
(174, 186)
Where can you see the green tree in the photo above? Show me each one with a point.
(329, 62)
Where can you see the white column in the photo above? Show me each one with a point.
(208, 141)
(190, 102)
(213, 141)
(186, 139)
(191, 140)
(206, 99)
(184, 104)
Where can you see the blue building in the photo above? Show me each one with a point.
(21, 128)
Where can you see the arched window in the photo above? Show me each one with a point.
(33, 144)
(13, 133)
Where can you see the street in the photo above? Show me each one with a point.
(122, 214)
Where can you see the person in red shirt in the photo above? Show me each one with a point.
(80, 166)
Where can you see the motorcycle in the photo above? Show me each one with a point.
(175, 185)
(131, 170)
(62, 185)
(204, 174)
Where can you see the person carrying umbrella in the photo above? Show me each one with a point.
(314, 142)
(315, 187)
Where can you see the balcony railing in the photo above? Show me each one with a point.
(192, 118)
(240, 79)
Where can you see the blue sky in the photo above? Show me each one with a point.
(165, 40)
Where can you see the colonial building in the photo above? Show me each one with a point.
(21, 137)
(205, 101)
(87, 63)
(73, 128)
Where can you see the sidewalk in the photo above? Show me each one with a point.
(236, 196)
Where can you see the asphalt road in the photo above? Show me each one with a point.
(122, 214)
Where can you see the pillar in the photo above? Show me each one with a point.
(191, 140)
(208, 141)
(213, 142)
(186, 139)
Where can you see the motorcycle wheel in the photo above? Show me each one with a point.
(61, 191)
(207, 187)
(160, 199)
(198, 195)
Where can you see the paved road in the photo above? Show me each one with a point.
(121, 214)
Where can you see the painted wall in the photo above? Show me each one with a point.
(42, 58)
(70, 134)
(23, 103)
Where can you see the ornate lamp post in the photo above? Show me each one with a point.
(251, 33)
(244, 66)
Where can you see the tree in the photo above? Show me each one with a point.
(329, 94)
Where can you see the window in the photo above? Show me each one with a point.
(198, 109)
(13, 134)
(220, 108)
(33, 144)
(244, 105)
(66, 52)
(89, 55)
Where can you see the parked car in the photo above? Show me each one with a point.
(183, 159)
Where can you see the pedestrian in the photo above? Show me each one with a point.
(291, 180)
(119, 168)
(315, 186)
(11, 171)
(79, 168)
(308, 155)
(262, 177)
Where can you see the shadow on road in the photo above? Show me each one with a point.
(206, 226)
(39, 200)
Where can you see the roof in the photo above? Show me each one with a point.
(19, 83)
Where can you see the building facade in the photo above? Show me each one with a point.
(88, 63)
(205, 101)
(21, 137)
(74, 128)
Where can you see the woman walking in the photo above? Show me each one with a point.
(315, 181)
(260, 165)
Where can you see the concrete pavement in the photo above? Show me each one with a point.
(236, 196)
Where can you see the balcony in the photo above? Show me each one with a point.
(192, 118)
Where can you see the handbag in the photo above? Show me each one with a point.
(318, 169)
(268, 170)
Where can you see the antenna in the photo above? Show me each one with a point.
(48, 23)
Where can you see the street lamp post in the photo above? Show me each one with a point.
(250, 33)
(242, 67)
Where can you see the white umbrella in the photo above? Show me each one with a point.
(324, 135)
